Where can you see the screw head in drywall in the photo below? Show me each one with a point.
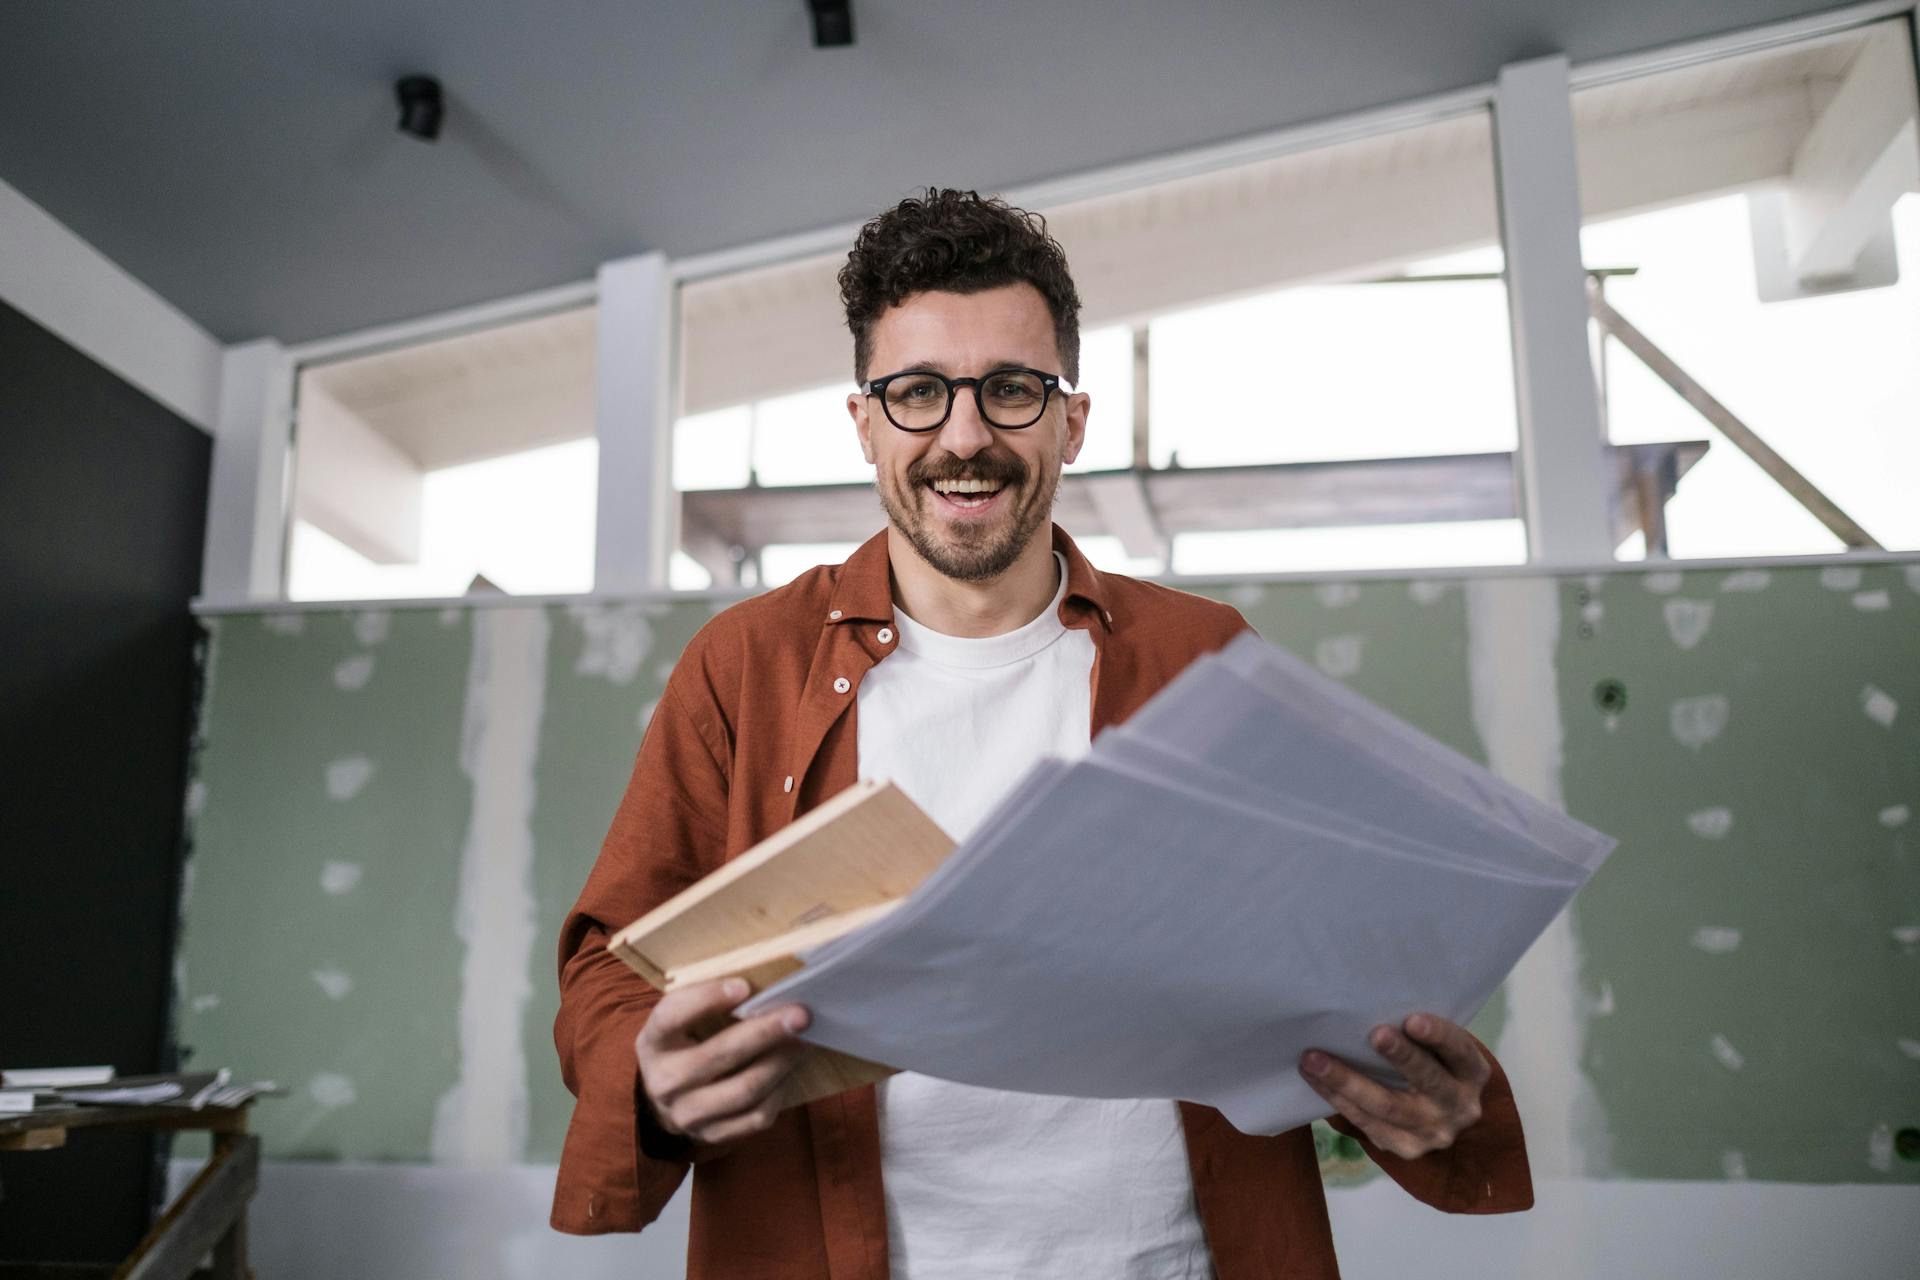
(1610, 696)
(422, 106)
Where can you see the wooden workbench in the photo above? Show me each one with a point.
(209, 1216)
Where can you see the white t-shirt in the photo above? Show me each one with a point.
(980, 1182)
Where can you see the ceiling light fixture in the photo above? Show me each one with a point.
(422, 106)
(832, 23)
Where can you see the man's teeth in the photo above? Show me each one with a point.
(966, 486)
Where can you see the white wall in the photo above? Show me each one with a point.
(375, 1222)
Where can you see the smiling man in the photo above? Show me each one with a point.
(958, 646)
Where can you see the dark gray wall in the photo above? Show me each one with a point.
(103, 499)
(243, 161)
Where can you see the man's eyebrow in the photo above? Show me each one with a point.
(937, 366)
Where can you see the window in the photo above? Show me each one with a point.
(462, 464)
(1752, 232)
(1321, 337)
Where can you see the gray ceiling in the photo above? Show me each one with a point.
(240, 156)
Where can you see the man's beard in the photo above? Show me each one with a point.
(965, 552)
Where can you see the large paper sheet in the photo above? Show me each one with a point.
(1252, 867)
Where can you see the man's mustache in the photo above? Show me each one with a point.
(1000, 469)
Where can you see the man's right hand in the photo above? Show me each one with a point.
(723, 1087)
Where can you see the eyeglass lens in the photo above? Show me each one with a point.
(1010, 398)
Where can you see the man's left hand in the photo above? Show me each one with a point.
(1445, 1073)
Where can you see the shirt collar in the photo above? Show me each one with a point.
(864, 588)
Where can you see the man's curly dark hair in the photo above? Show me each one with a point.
(956, 242)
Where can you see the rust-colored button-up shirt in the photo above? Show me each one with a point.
(755, 727)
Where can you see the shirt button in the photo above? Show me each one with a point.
(789, 783)
(834, 616)
(886, 635)
(842, 684)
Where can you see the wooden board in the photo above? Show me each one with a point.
(866, 846)
(844, 864)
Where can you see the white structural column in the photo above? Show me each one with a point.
(1565, 489)
(252, 450)
(635, 522)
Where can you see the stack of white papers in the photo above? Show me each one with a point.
(1259, 862)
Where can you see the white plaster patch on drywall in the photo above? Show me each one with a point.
(1336, 595)
(1733, 1166)
(1907, 935)
(1880, 1149)
(1426, 591)
(1339, 656)
(1592, 612)
(1840, 577)
(347, 775)
(1895, 816)
(1697, 721)
(335, 982)
(646, 714)
(211, 1001)
(1687, 620)
(1513, 631)
(1716, 940)
(1872, 601)
(1724, 1052)
(663, 671)
(196, 798)
(339, 876)
(1664, 583)
(1746, 580)
(1909, 1047)
(451, 616)
(332, 1090)
(1246, 595)
(284, 624)
(616, 640)
(1912, 573)
(353, 673)
(1879, 706)
(371, 626)
(1603, 1005)
(1711, 824)
(481, 1122)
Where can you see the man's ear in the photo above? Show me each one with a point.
(857, 410)
(1079, 404)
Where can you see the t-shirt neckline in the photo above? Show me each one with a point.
(987, 651)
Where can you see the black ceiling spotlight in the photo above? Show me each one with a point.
(422, 106)
(832, 23)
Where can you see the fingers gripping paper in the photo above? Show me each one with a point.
(1258, 863)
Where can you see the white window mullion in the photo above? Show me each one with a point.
(1565, 487)
(249, 493)
(635, 524)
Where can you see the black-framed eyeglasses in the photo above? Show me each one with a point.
(921, 400)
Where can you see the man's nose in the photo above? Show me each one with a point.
(964, 433)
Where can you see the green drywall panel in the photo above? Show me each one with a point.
(606, 665)
(1818, 1002)
(326, 819)
(1744, 957)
